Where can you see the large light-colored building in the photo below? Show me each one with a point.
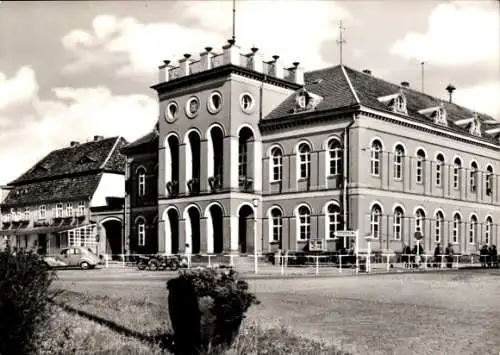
(253, 154)
(71, 197)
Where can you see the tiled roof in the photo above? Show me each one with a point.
(333, 85)
(146, 141)
(92, 156)
(54, 190)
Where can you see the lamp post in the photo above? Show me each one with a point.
(255, 204)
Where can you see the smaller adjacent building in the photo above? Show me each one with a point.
(72, 197)
(141, 199)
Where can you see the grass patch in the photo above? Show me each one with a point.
(76, 334)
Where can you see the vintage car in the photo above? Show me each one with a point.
(73, 257)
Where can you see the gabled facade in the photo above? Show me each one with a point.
(51, 205)
(141, 199)
(278, 159)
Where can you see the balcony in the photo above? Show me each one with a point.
(194, 186)
(215, 183)
(173, 188)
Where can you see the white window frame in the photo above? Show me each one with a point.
(473, 229)
(304, 159)
(397, 165)
(457, 168)
(276, 164)
(334, 157)
(68, 210)
(473, 177)
(26, 214)
(141, 233)
(333, 220)
(439, 170)
(489, 181)
(141, 182)
(276, 225)
(397, 223)
(457, 221)
(375, 151)
(488, 229)
(59, 210)
(42, 212)
(439, 222)
(419, 221)
(375, 218)
(81, 208)
(303, 223)
(420, 170)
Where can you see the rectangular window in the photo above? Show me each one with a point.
(68, 211)
(59, 210)
(420, 170)
(42, 212)
(141, 234)
(473, 181)
(438, 174)
(277, 167)
(142, 184)
(456, 177)
(26, 214)
(13, 213)
(81, 208)
(277, 228)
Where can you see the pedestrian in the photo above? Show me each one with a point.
(483, 256)
(437, 255)
(494, 256)
(449, 256)
(405, 258)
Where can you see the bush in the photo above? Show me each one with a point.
(24, 301)
(206, 308)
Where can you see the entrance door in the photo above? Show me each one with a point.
(42, 244)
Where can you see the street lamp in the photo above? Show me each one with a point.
(255, 204)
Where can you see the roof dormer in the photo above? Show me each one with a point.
(395, 102)
(438, 114)
(475, 125)
(306, 101)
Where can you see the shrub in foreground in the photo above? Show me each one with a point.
(24, 301)
(206, 308)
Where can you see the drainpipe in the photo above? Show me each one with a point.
(345, 172)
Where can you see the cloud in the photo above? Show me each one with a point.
(71, 114)
(459, 33)
(22, 87)
(482, 98)
(277, 28)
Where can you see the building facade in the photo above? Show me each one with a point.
(254, 156)
(142, 194)
(69, 198)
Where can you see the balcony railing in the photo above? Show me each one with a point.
(245, 183)
(194, 186)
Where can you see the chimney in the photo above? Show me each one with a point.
(164, 74)
(230, 53)
(277, 68)
(184, 64)
(74, 144)
(405, 84)
(206, 59)
(297, 73)
(256, 60)
(450, 88)
(367, 71)
(98, 138)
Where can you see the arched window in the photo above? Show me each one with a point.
(141, 182)
(419, 221)
(333, 219)
(487, 230)
(473, 176)
(489, 180)
(304, 222)
(375, 155)
(276, 224)
(457, 222)
(439, 220)
(399, 153)
(439, 169)
(334, 157)
(397, 223)
(472, 229)
(304, 159)
(375, 216)
(420, 166)
(457, 169)
(276, 164)
(141, 232)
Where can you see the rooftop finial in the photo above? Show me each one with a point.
(341, 40)
(450, 88)
(234, 21)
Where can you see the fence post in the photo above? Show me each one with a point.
(209, 260)
(106, 260)
(458, 265)
(317, 265)
(231, 260)
(388, 263)
(340, 263)
(282, 260)
(256, 264)
(442, 265)
(123, 260)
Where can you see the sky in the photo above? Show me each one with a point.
(72, 70)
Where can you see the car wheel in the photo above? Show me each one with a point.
(84, 265)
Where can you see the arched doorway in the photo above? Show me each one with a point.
(173, 222)
(215, 229)
(112, 229)
(245, 229)
(192, 226)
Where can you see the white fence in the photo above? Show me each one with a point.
(309, 264)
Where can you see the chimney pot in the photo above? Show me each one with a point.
(98, 138)
(405, 84)
(276, 57)
(367, 71)
(231, 41)
(187, 55)
(166, 62)
(450, 88)
(296, 64)
(74, 143)
(208, 49)
(254, 49)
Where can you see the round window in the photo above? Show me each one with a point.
(215, 102)
(171, 112)
(192, 107)
(246, 102)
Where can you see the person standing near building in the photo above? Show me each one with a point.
(449, 256)
(483, 256)
(493, 256)
(437, 255)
